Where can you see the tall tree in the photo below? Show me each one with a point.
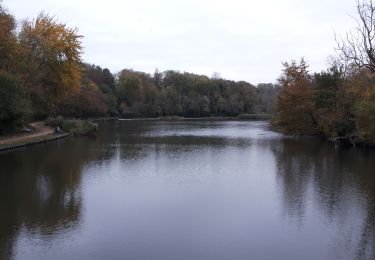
(51, 59)
(295, 106)
(267, 98)
(358, 47)
(333, 102)
(8, 40)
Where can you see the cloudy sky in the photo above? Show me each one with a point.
(242, 40)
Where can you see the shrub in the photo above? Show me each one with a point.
(73, 126)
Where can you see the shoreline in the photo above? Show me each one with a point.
(45, 134)
(32, 141)
(40, 134)
(29, 140)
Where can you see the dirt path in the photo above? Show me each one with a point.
(39, 130)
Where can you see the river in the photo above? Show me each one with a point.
(187, 190)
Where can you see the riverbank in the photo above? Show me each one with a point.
(76, 127)
(40, 134)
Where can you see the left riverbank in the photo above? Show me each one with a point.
(40, 134)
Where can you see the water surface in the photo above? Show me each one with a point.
(187, 190)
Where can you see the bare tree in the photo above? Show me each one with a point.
(358, 47)
(343, 66)
(216, 75)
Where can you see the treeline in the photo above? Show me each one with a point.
(172, 93)
(338, 103)
(42, 75)
(131, 94)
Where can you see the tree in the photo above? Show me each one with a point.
(267, 98)
(8, 40)
(51, 61)
(129, 87)
(158, 78)
(327, 85)
(204, 106)
(216, 75)
(358, 47)
(167, 102)
(14, 107)
(365, 116)
(295, 106)
(248, 96)
(91, 102)
(88, 102)
(103, 78)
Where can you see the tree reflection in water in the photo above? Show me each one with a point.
(335, 182)
(40, 191)
(326, 195)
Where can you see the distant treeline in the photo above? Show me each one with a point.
(42, 75)
(172, 93)
(338, 103)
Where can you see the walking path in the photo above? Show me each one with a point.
(40, 134)
(39, 130)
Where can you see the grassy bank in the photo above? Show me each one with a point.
(73, 126)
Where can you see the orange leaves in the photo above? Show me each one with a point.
(51, 39)
(329, 103)
(52, 55)
(295, 107)
(8, 42)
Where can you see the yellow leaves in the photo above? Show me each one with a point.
(8, 42)
(91, 85)
(54, 52)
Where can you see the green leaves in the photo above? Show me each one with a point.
(14, 107)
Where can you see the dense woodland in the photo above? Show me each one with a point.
(42, 75)
(338, 103)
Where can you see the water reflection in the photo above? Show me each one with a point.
(40, 193)
(335, 184)
(187, 190)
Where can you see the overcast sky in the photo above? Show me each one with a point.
(242, 40)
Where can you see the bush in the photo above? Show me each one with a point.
(73, 126)
(55, 122)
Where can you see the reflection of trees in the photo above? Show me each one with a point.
(334, 177)
(133, 141)
(362, 164)
(294, 172)
(40, 190)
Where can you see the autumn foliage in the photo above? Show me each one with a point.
(338, 103)
(330, 103)
(41, 62)
(295, 101)
(51, 58)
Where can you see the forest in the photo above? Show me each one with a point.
(339, 103)
(42, 75)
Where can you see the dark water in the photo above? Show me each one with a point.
(187, 190)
